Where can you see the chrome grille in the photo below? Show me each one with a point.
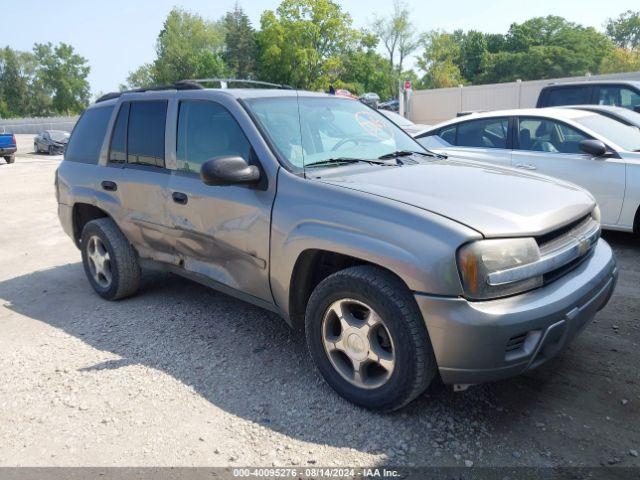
(562, 251)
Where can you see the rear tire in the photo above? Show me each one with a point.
(372, 293)
(50, 150)
(109, 261)
(10, 158)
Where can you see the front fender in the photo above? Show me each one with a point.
(416, 245)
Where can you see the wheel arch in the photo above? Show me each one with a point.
(311, 267)
(82, 214)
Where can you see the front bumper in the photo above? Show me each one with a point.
(58, 149)
(7, 151)
(477, 342)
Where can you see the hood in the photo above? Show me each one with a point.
(495, 201)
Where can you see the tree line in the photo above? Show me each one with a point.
(50, 80)
(312, 44)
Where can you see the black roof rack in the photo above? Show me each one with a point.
(180, 85)
(224, 82)
(195, 84)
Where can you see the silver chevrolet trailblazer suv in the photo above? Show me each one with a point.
(400, 265)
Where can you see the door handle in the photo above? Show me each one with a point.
(526, 166)
(180, 198)
(109, 186)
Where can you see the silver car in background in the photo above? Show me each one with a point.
(54, 142)
(583, 147)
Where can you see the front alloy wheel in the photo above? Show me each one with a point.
(368, 339)
(358, 343)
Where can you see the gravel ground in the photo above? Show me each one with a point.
(181, 375)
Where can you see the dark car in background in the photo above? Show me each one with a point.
(392, 105)
(54, 142)
(619, 93)
(370, 98)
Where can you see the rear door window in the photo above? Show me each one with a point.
(578, 95)
(483, 133)
(145, 133)
(88, 135)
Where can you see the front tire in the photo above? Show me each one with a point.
(109, 261)
(367, 338)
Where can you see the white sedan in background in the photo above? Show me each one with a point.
(586, 148)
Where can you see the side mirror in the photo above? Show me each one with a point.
(228, 171)
(594, 148)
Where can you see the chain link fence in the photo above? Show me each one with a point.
(37, 124)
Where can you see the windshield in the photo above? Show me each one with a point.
(629, 115)
(308, 130)
(619, 133)
(58, 136)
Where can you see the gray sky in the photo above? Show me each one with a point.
(119, 35)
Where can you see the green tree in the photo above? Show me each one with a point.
(364, 69)
(143, 76)
(398, 37)
(440, 60)
(621, 60)
(301, 43)
(240, 46)
(543, 47)
(188, 46)
(473, 52)
(62, 74)
(624, 30)
(14, 83)
(495, 42)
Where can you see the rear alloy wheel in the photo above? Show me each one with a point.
(368, 339)
(109, 261)
(99, 262)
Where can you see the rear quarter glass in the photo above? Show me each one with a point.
(87, 137)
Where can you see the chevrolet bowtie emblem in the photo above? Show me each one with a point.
(583, 246)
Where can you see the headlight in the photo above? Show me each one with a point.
(478, 260)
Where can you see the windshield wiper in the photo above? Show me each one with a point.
(330, 161)
(406, 153)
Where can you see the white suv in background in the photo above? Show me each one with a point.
(586, 148)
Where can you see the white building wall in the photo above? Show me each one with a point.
(437, 105)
